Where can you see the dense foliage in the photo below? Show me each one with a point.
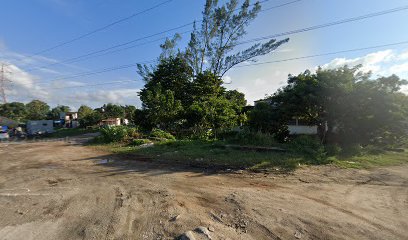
(175, 100)
(37, 110)
(14, 110)
(54, 114)
(184, 92)
(349, 107)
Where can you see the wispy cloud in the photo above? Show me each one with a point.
(381, 63)
(37, 63)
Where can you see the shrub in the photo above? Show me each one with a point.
(139, 142)
(310, 148)
(160, 134)
(333, 149)
(351, 150)
(118, 134)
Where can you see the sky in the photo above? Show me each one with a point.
(30, 27)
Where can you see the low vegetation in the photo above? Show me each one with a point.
(222, 154)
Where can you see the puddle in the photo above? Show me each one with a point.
(50, 167)
(105, 161)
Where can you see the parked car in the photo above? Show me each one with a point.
(4, 135)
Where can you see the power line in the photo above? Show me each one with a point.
(99, 71)
(92, 85)
(324, 54)
(91, 54)
(101, 28)
(254, 64)
(281, 5)
(88, 55)
(347, 20)
(371, 15)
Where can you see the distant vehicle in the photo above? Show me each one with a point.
(4, 135)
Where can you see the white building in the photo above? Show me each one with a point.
(296, 127)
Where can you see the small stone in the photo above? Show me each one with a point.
(298, 235)
(203, 230)
(187, 236)
(211, 229)
(175, 218)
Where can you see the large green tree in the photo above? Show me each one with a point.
(14, 110)
(173, 99)
(172, 74)
(54, 114)
(213, 107)
(84, 111)
(37, 110)
(354, 107)
(130, 111)
(88, 117)
(214, 41)
(167, 92)
(212, 44)
(113, 111)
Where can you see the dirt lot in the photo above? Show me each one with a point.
(63, 190)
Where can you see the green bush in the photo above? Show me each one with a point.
(333, 149)
(139, 142)
(310, 148)
(351, 150)
(160, 134)
(118, 134)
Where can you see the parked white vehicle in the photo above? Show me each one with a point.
(4, 135)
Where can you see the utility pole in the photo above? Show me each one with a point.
(3, 80)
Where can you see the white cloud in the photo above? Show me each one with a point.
(65, 84)
(381, 63)
(97, 98)
(370, 62)
(403, 56)
(22, 85)
(399, 68)
(227, 79)
(33, 63)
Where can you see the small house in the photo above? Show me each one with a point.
(114, 122)
(297, 127)
(69, 119)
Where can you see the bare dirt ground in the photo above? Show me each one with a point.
(63, 190)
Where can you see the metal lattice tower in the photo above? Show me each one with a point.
(3, 80)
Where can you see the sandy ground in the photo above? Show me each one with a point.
(63, 190)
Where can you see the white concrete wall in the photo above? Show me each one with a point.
(309, 130)
(44, 126)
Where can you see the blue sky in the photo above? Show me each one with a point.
(28, 27)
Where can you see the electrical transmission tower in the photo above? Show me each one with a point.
(3, 80)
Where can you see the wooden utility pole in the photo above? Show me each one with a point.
(3, 80)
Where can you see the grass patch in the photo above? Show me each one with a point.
(69, 132)
(211, 154)
(366, 161)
